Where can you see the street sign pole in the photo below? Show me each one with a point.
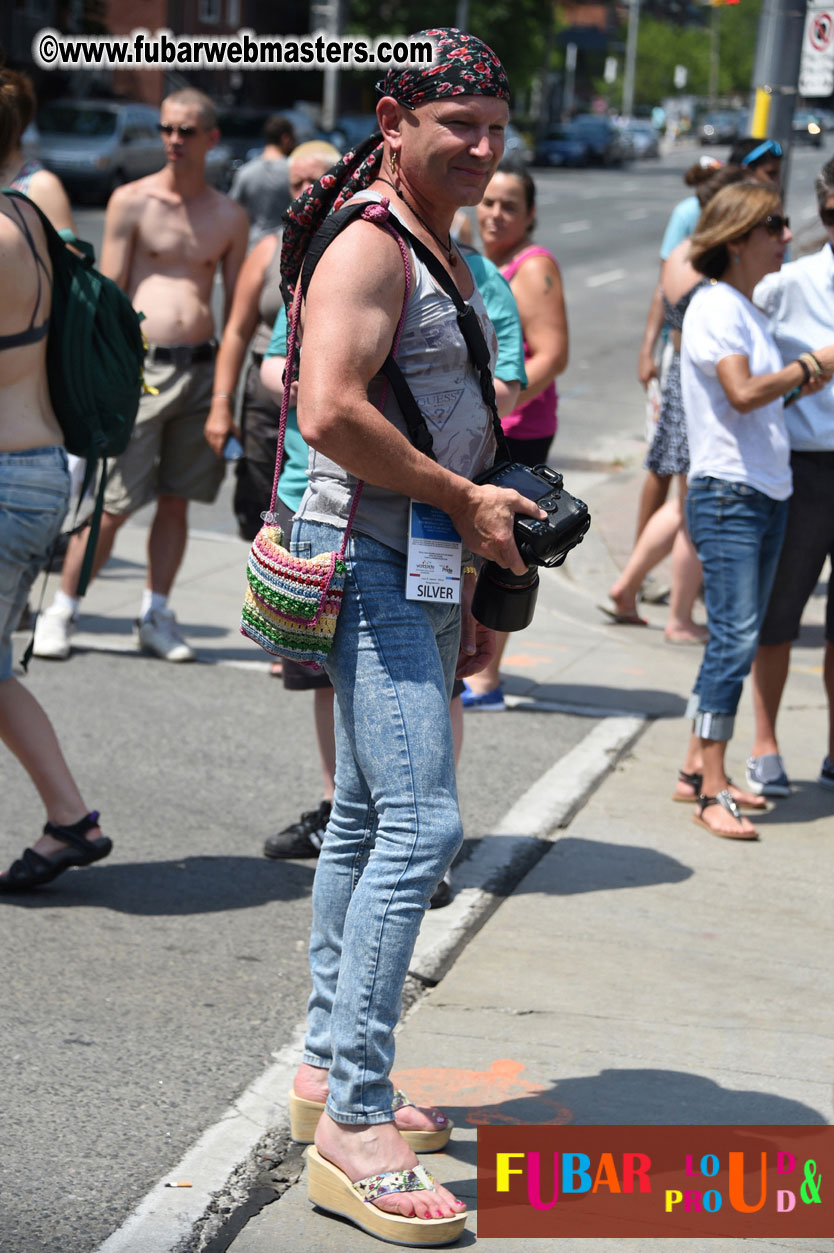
(776, 73)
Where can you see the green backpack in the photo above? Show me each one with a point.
(94, 358)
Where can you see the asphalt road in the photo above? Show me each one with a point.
(140, 998)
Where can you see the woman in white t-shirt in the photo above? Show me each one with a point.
(734, 390)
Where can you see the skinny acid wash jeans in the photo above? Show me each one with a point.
(395, 825)
(737, 532)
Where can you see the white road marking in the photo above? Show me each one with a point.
(571, 228)
(636, 215)
(607, 276)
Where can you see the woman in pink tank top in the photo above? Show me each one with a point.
(506, 217)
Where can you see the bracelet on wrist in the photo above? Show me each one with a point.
(817, 363)
(806, 370)
(469, 570)
(810, 361)
(220, 396)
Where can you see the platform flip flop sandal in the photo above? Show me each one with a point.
(330, 1189)
(305, 1115)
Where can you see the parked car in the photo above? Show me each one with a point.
(643, 138)
(96, 145)
(825, 117)
(561, 145)
(721, 127)
(602, 138)
(806, 128)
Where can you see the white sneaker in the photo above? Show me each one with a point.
(52, 633)
(160, 636)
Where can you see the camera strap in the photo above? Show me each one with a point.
(470, 328)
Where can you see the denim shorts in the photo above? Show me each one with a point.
(34, 495)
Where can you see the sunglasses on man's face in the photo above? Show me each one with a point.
(775, 224)
(827, 216)
(184, 132)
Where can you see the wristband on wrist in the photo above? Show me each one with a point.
(469, 570)
(817, 363)
(220, 396)
(810, 362)
(806, 371)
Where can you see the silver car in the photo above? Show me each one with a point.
(96, 145)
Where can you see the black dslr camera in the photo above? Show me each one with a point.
(505, 601)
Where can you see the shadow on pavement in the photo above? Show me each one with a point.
(653, 702)
(191, 885)
(807, 803)
(625, 1097)
(594, 866)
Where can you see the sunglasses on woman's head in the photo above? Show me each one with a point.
(827, 217)
(775, 224)
(184, 132)
(768, 148)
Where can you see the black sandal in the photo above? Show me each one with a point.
(33, 870)
(725, 800)
(694, 780)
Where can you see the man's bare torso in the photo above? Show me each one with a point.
(174, 248)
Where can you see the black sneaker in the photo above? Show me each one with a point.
(443, 892)
(303, 838)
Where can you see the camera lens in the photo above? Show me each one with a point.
(504, 601)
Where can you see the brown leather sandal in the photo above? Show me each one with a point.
(725, 800)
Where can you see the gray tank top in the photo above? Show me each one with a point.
(269, 301)
(435, 361)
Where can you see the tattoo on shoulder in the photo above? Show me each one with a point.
(548, 283)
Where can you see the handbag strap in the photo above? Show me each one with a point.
(379, 214)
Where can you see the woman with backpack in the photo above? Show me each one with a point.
(34, 490)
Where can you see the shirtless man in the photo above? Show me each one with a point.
(164, 237)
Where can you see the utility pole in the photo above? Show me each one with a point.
(714, 53)
(462, 18)
(776, 73)
(327, 15)
(631, 57)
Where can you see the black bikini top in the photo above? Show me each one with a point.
(33, 334)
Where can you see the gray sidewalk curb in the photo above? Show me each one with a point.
(508, 852)
(165, 1219)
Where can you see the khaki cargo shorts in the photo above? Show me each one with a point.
(167, 454)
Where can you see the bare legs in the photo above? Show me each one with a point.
(664, 532)
(653, 494)
(166, 546)
(770, 673)
(325, 738)
(26, 730)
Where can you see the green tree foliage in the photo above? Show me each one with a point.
(515, 29)
(661, 46)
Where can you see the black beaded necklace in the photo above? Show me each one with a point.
(448, 246)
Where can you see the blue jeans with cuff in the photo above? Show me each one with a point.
(737, 532)
(395, 825)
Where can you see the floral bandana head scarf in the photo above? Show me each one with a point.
(463, 66)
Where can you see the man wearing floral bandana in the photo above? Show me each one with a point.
(395, 825)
